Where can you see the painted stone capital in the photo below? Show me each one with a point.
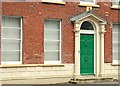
(102, 28)
(76, 27)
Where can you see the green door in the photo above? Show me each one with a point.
(86, 54)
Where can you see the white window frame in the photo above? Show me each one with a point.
(14, 62)
(115, 62)
(88, 3)
(55, 62)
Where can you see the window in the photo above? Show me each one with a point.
(52, 41)
(54, 1)
(87, 26)
(116, 43)
(87, 1)
(11, 40)
(116, 3)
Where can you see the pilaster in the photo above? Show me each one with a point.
(102, 64)
(77, 58)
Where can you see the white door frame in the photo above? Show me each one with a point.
(99, 46)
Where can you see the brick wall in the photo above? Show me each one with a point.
(34, 13)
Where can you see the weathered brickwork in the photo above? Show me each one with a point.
(34, 14)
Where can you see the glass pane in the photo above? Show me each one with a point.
(50, 45)
(14, 22)
(115, 55)
(115, 2)
(119, 37)
(115, 51)
(10, 45)
(87, 26)
(115, 47)
(51, 56)
(116, 27)
(119, 55)
(54, 0)
(116, 33)
(119, 28)
(52, 24)
(92, 1)
(51, 35)
(10, 22)
(115, 37)
(82, 0)
(11, 33)
(87, 1)
(116, 41)
(11, 56)
(5, 21)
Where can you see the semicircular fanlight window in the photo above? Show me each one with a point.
(87, 26)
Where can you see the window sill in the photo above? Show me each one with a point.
(11, 63)
(89, 5)
(116, 63)
(115, 7)
(62, 3)
(32, 65)
(113, 64)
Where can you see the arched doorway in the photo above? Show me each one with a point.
(87, 45)
(89, 26)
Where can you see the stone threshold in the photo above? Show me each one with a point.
(92, 80)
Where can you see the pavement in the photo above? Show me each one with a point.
(67, 84)
(62, 84)
(53, 82)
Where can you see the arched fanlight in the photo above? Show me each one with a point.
(87, 26)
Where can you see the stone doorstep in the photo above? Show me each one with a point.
(92, 80)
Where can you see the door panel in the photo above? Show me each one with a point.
(86, 54)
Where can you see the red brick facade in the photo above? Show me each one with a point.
(34, 14)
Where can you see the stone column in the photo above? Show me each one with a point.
(102, 31)
(77, 58)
